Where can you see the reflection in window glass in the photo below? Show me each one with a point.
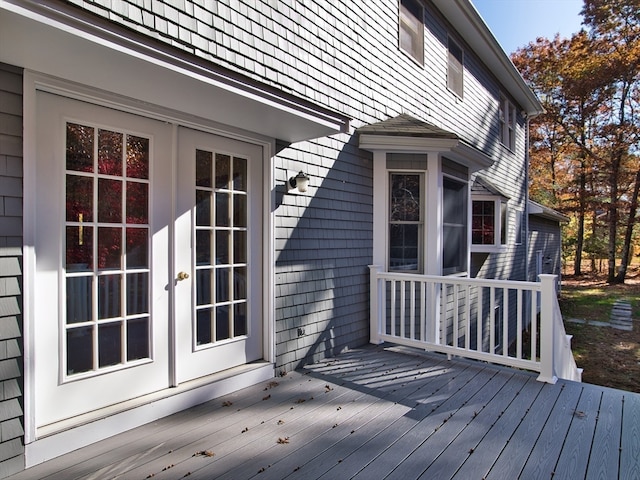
(454, 215)
(107, 265)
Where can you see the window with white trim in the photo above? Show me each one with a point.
(507, 123)
(406, 221)
(454, 228)
(488, 223)
(455, 68)
(411, 33)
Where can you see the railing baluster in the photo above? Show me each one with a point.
(492, 320)
(519, 324)
(423, 311)
(505, 322)
(467, 318)
(534, 327)
(403, 308)
(412, 313)
(393, 308)
(479, 322)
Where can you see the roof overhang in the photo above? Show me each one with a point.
(407, 134)
(466, 20)
(63, 41)
(546, 212)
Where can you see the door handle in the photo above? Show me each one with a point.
(182, 276)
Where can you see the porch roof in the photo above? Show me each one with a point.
(381, 412)
(405, 133)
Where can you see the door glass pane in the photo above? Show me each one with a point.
(222, 247)
(222, 322)
(109, 201)
(109, 344)
(204, 164)
(137, 202)
(203, 247)
(137, 293)
(79, 248)
(239, 246)
(79, 350)
(122, 248)
(222, 210)
(137, 157)
(79, 199)
(79, 148)
(222, 285)
(239, 174)
(203, 208)
(240, 319)
(138, 338)
(109, 248)
(109, 296)
(239, 210)
(203, 327)
(203, 287)
(79, 299)
(223, 173)
(137, 242)
(110, 152)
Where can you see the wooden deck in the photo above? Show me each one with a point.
(377, 413)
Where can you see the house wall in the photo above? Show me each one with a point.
(342, 55)
(545, 235)
(11, 194)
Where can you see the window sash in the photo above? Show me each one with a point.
(411, 27)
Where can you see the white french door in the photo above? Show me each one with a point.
(136, 288)
(218, 259)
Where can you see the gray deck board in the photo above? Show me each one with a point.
(574, 457)
(605, 451)
(380, 412)
(630, 448)
(544, 456)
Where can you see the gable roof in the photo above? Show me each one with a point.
(406, 126)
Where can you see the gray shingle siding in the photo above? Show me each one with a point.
(344, 56)
(11, 414)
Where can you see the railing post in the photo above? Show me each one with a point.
(547, 331)
(375, 303)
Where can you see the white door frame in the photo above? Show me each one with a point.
(38, 82)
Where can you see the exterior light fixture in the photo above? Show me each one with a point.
(300, 181)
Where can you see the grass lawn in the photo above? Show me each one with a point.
(609, 357)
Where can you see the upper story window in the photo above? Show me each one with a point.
(488, 223)
(507, 123)
(412, 29)
(406, 220)
(455, 67)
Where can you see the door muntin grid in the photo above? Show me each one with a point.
(221, 231)
(107, 251)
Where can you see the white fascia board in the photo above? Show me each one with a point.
(38, 38)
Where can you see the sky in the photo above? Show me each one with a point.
(515, 23)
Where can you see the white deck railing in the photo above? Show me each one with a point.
(481, 319)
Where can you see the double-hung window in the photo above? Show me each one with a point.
(488, 223)
(412, 29)
(455, 68)
(406, 221)
(507, 123)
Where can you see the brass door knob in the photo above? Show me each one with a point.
(182, 276)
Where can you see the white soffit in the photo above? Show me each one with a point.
(38, 38)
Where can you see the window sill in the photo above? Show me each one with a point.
(488, 248)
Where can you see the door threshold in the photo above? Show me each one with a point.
(67, 435)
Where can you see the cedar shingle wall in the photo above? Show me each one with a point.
(11, 413)
(342, 55)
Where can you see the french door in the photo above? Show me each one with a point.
(148, 263)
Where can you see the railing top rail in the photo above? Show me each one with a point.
(515, 284)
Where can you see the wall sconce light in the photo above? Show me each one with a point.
(300, 181)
